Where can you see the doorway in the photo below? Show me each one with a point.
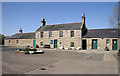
(34, 43)
(84, 44)
(94, 44)
(55, 43)
(114, 44)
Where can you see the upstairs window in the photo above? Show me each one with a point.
(41, 34)
(72, 34)
(50, 34)
(107, 42)
(17, 41)
(61, 34)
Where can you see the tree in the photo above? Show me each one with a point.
(2, 37)
(115, 16)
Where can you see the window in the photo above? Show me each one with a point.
(9, 41)
(17, 41)
(107, 42)
(72, 44)
(41, 34)
(61, 33)
(41, 43)
(50, 34)
(72, 33)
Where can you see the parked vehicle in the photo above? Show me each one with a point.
(46, 46)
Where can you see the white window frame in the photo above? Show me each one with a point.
(17, 41)
(73, 44)
(41, 34)
(41, 43)
(71, 34)
(60, 34)
(9, 41)
(50, 34)
(107, 42)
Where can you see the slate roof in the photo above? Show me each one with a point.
(65, 26)
(22, 36)
(103, 33)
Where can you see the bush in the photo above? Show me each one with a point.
(119, 50)
(2, 37)
(37, 46)
(26, 52)
(26, 49)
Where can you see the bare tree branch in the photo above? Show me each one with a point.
(114, 17)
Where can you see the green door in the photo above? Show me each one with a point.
(114, 44)
(94, 44)
(34, 43)
(55, 43)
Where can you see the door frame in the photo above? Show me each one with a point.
(34, 43)
(113, 44)
(56, 43)
(84, 44)
(96, 46)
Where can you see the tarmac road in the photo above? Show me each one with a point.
(58, 62)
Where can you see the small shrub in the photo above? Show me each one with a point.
(37, 46)
(34, 51)
(119, 50)
(26, 49)
(26, 52)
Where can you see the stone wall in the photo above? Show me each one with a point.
(22, 42)
(101, 43)
(64, 41)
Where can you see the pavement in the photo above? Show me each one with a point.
(60, 62)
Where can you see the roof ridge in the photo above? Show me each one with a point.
(104, 29)
(64, 23)
(25, 33)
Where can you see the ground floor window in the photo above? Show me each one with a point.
(72, 44)
(107, 42)
(41, 43)
(9, 41)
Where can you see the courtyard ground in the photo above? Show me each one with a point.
(60, 62)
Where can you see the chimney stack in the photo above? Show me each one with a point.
(20, 31)
(83, 18)
(43, 22)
